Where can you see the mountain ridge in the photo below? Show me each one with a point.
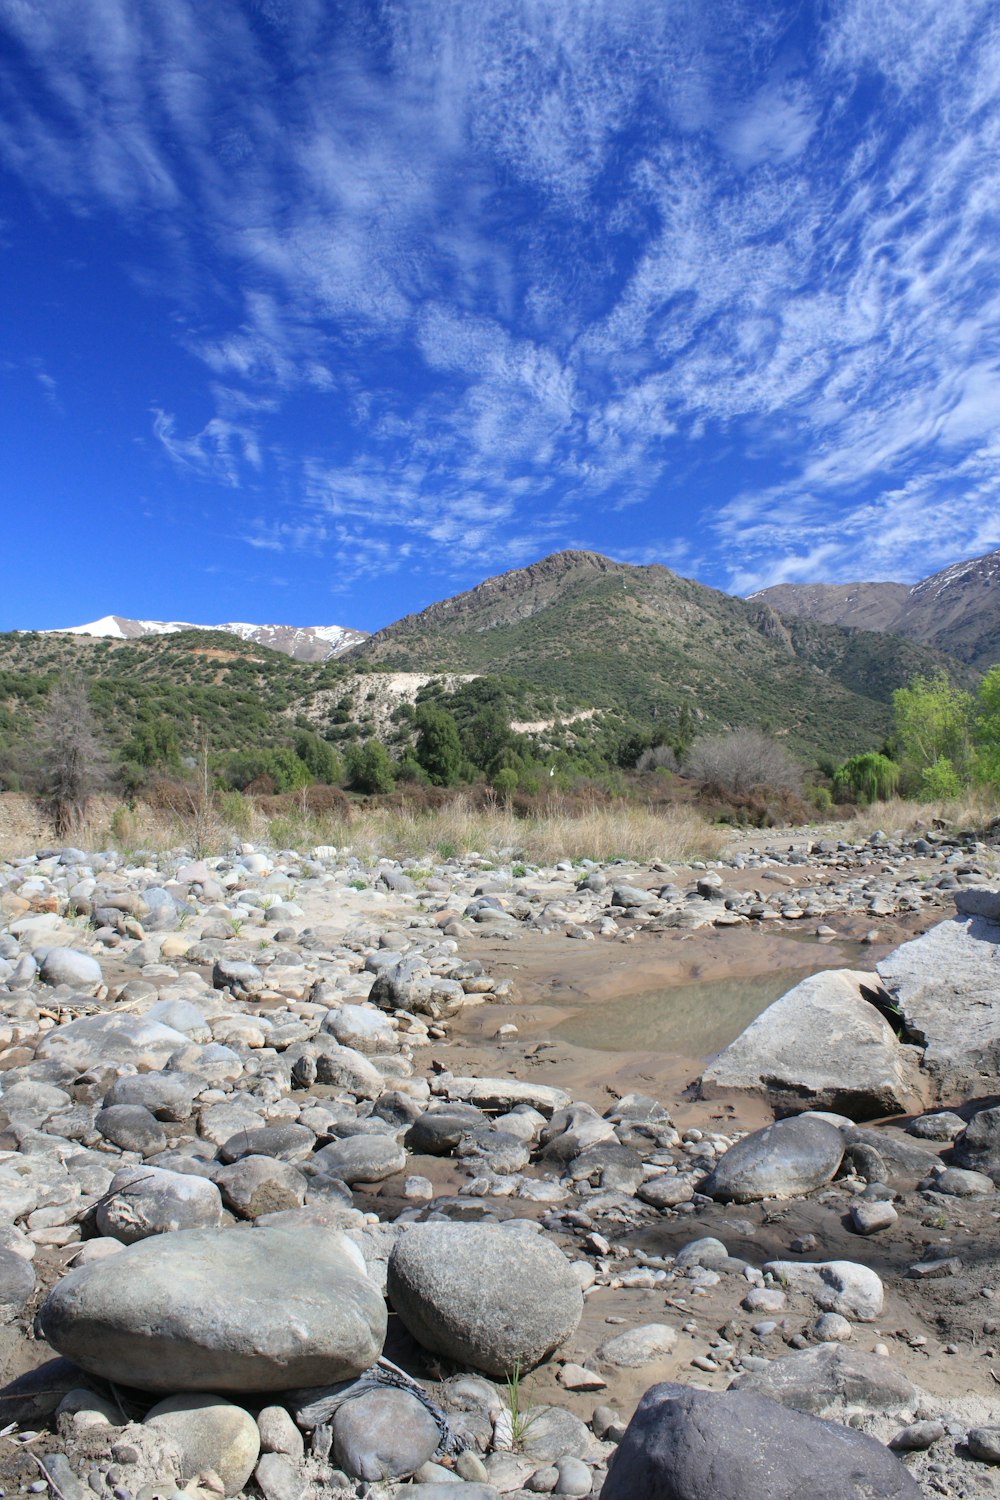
(956, 610)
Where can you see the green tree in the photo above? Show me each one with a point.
(319, 757)
(438, 748)
(866, 778)
(368, 767)
(986, 730)
(933, 722)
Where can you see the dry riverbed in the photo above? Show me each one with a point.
(326, 1020)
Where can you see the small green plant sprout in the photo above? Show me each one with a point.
(236, 925)
(446, 849)
(266, 902)
(518, 871)
(521, 1417)
(357, 884)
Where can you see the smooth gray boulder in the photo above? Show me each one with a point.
(81, 971)
(131, 1127)
(944, 984)
(861, 1070)
(95, 1040)
(383, 1434)
(143, 1201)
(493, 1298)
(685, 1444)
(816, 1380)
(362, 1158)
(783, 1160)
(222, 1310)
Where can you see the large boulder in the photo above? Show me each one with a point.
(222, 1310)
(93, 1040)
(685, 1444)
(861, 1069)
(978, 1146)
(783, 1160)
(69, 966)
(944, 985)
(496, 1299)
(836, 1286)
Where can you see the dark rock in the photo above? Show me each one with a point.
(701, 1446)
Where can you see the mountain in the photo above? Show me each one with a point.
(647, 644)
(956, 610)
(303, 643)
(861, 606)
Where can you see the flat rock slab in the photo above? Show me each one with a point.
(815, 1380)
(694, 1445)
(222, 1310)
(783, 1160)
(502, 1093)
(492, 1298)
(945, 985)
(861, 1070)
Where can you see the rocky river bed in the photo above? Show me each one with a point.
(320, 1177)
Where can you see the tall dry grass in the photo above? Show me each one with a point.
(978, 808)
(562, 831)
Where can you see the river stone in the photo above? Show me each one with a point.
(143, 1201)
(131, 1127)
(783, 1160)
(862, 1069)
(278, 1478)
(685, 1444)
(209, 1433)
(383, 1434)
(638, 1346)
(437, 1132)
(257, 1185)
(839, 1286)
(69, 966)
(501, 1093)
(497, 1299)
(978, 1147)
(229, 1309)
(96, 1041)
(287, 1142)
(168, 1096)
(362, 1158)
(17, 1282)
(815, 1380)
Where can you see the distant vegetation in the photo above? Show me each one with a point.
(619, 685)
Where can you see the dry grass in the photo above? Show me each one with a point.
(977, 809)
(563, 831)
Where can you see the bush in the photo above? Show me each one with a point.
(658, 758)
(866, 778)
(743, 761)
(438, 748)
(940, 781)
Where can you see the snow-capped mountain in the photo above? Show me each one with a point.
(957, 609)
(303, 642)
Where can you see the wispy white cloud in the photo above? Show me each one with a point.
(529, 264)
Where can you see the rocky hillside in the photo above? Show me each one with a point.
(956, 610)
(301, 642)
(642, 641)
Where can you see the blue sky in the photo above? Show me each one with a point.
(316, 312)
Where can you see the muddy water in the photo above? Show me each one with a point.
(696, 1020)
